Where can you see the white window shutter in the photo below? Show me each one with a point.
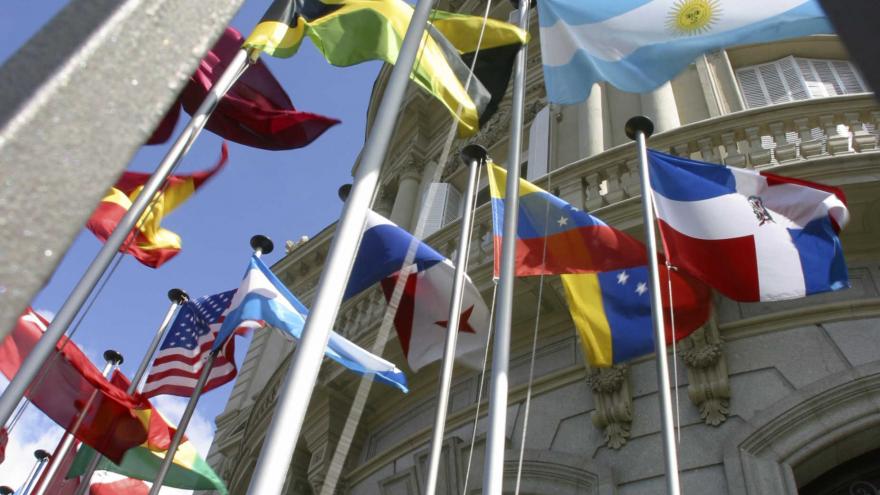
(814, 85)
(452, 209)
(539, 145)
(848, 76)
(791, 76)
(752, 90)
(436, 194)
(771, 76)
(827, 78)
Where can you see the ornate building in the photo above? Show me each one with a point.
(773, 398)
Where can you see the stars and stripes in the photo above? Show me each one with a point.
(186, 346)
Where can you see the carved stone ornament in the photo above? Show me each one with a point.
(613, 412)
(709, 387)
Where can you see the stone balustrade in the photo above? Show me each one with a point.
(756, 139)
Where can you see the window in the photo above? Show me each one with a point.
(444, 207)
(794, 78)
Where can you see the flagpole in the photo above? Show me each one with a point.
(113, 359)
(474, 155)
(178, 297)
(493, 471)
(640, 129)
(46, 345)
(293, 398)
(262, 245)
(42, 457)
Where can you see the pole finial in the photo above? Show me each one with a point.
(473, 152)
(178, 296)
(262, 243)
(41, 455)
(5, 490)
(639, 123)
(344, 191)
(113, 357)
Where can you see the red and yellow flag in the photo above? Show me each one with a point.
(151, 244)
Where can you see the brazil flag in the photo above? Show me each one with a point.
(349, 32)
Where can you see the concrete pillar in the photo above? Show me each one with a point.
(659, 105)
(407, 195)
(591, 123)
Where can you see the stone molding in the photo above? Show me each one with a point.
(818, 423)
(614, 408)
(708, 384)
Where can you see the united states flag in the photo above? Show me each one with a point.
(178, 364)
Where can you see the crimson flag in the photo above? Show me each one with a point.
(256, 112)
(70, 385)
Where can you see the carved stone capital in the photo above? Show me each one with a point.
(613, 400)
(709, 387)
(411, 169)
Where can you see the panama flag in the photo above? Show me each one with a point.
(423, 311)
(261, 296)
(637, 45)
(753, 236)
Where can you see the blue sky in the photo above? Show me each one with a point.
(282, 194)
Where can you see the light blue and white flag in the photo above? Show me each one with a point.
(637, 45)
(262, 297)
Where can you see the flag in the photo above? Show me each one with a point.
(149, 243)
(604, 273)
(554, 237)
(4, 441)
(754, 236)
(107, 483)
(423, 311)
(188, 470)
(69, 382)
(349, 32)
(637, 46)
(190, 337)
(262, 297)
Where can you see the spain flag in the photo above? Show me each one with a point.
(148, 242)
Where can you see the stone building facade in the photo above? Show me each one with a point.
(773, 398)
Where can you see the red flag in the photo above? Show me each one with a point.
(4, 439)
(67, 384)
(124, 486)
(255, 112)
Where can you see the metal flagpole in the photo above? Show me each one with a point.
(493, 471)
(42, 457)
(293, 399)
(46, 345)
(113, 360)
(261, 245)
(639, 129)
(178, 297)
(474, 155)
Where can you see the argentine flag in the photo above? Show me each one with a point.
(637, 45)
(261, 296)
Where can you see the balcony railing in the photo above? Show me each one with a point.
(759, 138)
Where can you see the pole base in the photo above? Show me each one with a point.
(639, 123)
(263, 243)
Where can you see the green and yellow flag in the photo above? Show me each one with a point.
(348, 32)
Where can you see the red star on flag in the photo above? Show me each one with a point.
(463, 323)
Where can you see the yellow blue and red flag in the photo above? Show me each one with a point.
(604, 272)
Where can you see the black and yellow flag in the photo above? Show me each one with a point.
(349, 32)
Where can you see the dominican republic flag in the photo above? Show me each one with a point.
(262, 297)
(178, 364)
(753, 236)
(423, 311)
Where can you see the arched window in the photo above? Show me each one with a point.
(796, 78)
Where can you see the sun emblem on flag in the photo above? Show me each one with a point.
(691, 17)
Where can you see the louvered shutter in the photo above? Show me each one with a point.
(791, 76)
(443, 208)
(750, 85)
(826, 76)
(539, 145)
(848, 76)
(814, 85)
(452, 208)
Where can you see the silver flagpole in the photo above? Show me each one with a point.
(493, 471)
(42, 457)
(640, 129)
(46, 345)
(474, 155)
(178, 297)
(293, 399)
(261, 245)
(113, 360)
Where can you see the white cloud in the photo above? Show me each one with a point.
(200, 430)
(33, 431)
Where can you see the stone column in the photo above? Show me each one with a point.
(591, 124)
(659, 105)
(407, 194)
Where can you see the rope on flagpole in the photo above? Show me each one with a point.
(528, 403)
(356, 410)
(669, 269)
(480, 389)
